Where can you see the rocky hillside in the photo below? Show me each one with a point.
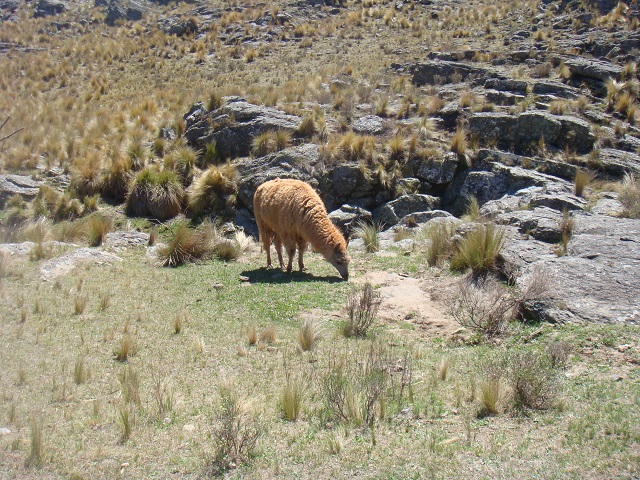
(396, 112)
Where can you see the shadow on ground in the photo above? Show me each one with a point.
(275, 276)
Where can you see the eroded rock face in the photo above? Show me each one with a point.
(598, 280)
(128, 10)
(45, 8)
(24, 186)
(390, 213)
(234, 125)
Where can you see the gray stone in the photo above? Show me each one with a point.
(575, 134)
(369, 125)
(125, 240)
(22, 185)
(424, 217)
(126, 10)
(534, 126)
(65, 263)
(608, 205)
(599, 278)
(546, 87)
(4, 431)
(45, 8)
(234, 125)
(541, 223)
(178, 26)
(347, 217)
(616, 163)
(493, 127)
(591, 68)
(503, 98)
(436, 172)
(390, 213)
(508, 85)
(440, 71)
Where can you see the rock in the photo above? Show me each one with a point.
(22, 185)
(608, 204)
(450, 114)
(127, 10)
(124, 240)
(347, 217)
(599, 278)
(529, 128)
(440, 71)
(591, 68)
(390, 213)
(45, 8)
(541, 223)
(616, 377)
(433, 171)
(503, 98)
(616, 163)
(369, 125)
(234, 125)
(546, 87)
(65, 263)
(508, 85)
(178, 26)
(4, 431)
(419, 218)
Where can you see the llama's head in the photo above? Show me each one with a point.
(340, 260)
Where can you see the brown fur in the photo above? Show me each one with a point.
(290, 213)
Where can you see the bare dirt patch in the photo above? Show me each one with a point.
(408, 300)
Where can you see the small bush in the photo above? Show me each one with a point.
(309, 335)
(97, 226)
(440, 238)
(535, 383)
(558, 352)
(479, 249)
(362, 307)
(369, 234)
(629, 196)
(213, 192)
(236, 432)
(155, 194)
(186, 245)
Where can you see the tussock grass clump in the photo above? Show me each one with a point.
(629, 196)
(80, 370)
(125, 348)
(479, 249)
(472, 212)
(582, 180)
(126, 416)
(5, 264)
(186, 245)
(362, 307)
(236, 432)
(440, 238)
(87, 179)
(369, 233)
(309, 335)
(179, 321)
(270, 141)
(97, 226)
(252, 335)
(268, 335)
(163, 396)
(80, 304)
(567, 225)
(213, 192)
(156, 194)
(37, 444)
(291, 398)
(307, 127)
(37, 231)
(130, 385)
(115, 181)
(459, 142)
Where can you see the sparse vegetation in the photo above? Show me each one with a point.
(479, 249)
(362, 307)
(369, 234)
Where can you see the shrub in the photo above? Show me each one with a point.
(535, 382)
(157, 194)
(362, 307)
(479, 249)
(483, 304)
(309, 335)
(236, 432)
(115, 182)
(369, 234)
(213, 192)
(582, 180)
(629, 196)
(441, 246)
(97, 227)
(183, 161)
(186, 245)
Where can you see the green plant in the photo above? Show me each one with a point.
(213, 192)
(440, 242)
(362, 307)
(158, 194)
(97, 226)
(186, 245)
(479, 249)
(369, 234)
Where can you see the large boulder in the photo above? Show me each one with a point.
(598, 280)
(234, 125)
(369, 125)
(125, 10)
(347, 217)
(178, 26)
(45, 8)
(441, 71)
(392, 212)
(435, 171)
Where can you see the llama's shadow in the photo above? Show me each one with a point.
(275, 275)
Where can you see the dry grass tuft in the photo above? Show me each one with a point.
(459, 142)
(441, 245)
(97, 226)
(80, 304)
(80, 371)
(629, 196)
(362, 307)
(268, 335)
(291, 398)
(582, 180)
(309, 334)
(252, 335)
(369, 234)
(479, 249)
(213, 192)
(156, 194)
(37, 443)
(186, 245)
(125, 348)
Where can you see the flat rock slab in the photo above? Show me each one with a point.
(64, 264)
(18, 184)
(597, 281)
(124, 240)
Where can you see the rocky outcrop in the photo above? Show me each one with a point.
(125, 10)
(24, 186)
(46, 8)
(598, 280)
(392, 212)
(436, 72)
(233, 126)
(369, 125)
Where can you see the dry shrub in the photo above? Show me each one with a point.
(558, 352)
(236, 432)
(115, 182)
(97, 226)
(155, 194)
(479, 249)
(309, 334)
(213, 192)
(535, 382)
(362, 307)
(440, 238)
(186, 245)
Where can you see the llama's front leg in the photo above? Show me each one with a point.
(302, 246)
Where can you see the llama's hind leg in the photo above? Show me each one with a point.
(265, 236)
(291, 251)
(278, 244)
